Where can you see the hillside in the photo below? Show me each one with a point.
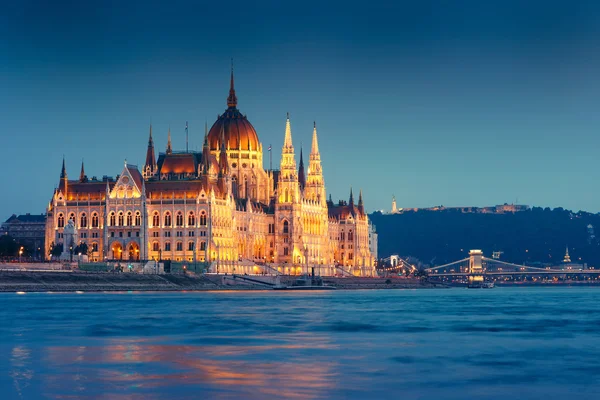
(536, 235)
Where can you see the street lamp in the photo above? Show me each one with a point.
(20, 253)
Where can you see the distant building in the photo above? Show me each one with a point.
(498, 209)
(28, 230)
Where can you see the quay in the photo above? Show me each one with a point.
(73, 281)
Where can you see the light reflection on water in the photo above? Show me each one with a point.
(428, 344)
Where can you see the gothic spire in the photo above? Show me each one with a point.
(232, 99)
(360, 199)
(150, 157)
(169, 148)
(287, 142)
(301, 176)
(351, 201)
(315, 142)
(63, 171)
(82, 173)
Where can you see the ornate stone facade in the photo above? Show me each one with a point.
(219, 206)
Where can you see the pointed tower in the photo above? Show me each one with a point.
(82, 173)
(301, 176)
(315, 184)
(150, 167)
(394, 208)
(64, 179)
(351, 200)
(361, 205)
(205, 151)
(288, 177)
(169, 148)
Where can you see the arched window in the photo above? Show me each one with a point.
(202, 246)
(138, 218)
(112, 219)
(191, 246)
(167, 246)
(179, 246)
(129, 219)
(94, 220)
(94, 247)
(167, 219)
(61, 221)
(191, 219)
(83, 221)
(72, 217)
(203, 219)
(121, 218)
(179, 219)
(155, 219)
(155, 246)
(350, 235)
(286, 227)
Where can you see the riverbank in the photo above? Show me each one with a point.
(29, 281)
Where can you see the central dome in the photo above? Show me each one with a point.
(237, 132)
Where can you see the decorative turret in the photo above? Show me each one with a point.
(169, 148)
(64, 179)
(150, 166)
(301, 176)
(82, 173)
(205, 151)
(361, 205)
(351, 200)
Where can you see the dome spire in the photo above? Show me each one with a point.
(232, 99)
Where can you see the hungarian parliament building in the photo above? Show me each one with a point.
(218, 206)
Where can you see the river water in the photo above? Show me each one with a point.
(504, 343)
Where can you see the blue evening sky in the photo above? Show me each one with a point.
(450, 103)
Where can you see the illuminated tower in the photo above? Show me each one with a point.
(315, 185)
(567, 258)
(394, 208)
(287, 207)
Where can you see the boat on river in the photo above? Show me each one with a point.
(306, 282)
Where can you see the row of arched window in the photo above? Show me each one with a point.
(178, 246)
(191, 219)
(83, 220)
(130, 219)
(121, 219)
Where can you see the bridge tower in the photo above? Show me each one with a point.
(475, 267)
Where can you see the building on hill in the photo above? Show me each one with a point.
(218, 206)
(498, 209)
(28, 230)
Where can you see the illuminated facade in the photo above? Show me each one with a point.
(220, 206)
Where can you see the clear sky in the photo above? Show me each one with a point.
(438, 102)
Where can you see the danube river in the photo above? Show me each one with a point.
(504, 343)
